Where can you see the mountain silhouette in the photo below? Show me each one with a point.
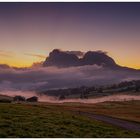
(98, 58)
(64, 59)
(61, 59)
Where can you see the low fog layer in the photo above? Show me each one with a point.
(50, 99)
(28, 94)
(45, 78)
(99, 99)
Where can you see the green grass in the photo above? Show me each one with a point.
(38, 121)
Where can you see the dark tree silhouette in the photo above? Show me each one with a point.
(100, 90)
(62, 97)
(32, 99)
(137, 88)
(19, 98)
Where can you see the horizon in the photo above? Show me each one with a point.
(44, 58)
(29, 31)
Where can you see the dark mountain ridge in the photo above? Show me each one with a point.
(63, 59)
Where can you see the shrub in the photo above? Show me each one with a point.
(32, 99)
(19, 98)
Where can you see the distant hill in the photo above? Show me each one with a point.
(85, 92)
(5, 99)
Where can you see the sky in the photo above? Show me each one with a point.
(29, 31)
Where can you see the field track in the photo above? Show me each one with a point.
(132, 126)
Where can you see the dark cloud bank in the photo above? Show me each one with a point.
(52, 77)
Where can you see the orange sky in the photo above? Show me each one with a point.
(30, 31)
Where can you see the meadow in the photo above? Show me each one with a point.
(127, 110)
(46, 120)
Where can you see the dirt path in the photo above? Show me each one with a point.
(114, 121)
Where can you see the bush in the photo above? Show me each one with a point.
(19, 98)
(32, 99)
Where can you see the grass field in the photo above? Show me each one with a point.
(128, 110)
(52, 120)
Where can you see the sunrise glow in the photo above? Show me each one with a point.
(39, 28)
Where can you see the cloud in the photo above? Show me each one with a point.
(40, 78)
(37, 64)
(77, 53)
(35, 55)
(6, 53)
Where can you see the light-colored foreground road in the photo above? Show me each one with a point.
(114, 121)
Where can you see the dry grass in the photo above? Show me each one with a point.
(53, 120)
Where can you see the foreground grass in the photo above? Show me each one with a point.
(128, 110)
(26, 120)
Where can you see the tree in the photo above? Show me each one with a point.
(137, 88)
(100, 90)
(62, 97)
(19, 98)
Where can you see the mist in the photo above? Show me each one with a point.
(51, 99)
(41, 79)
(28, 82)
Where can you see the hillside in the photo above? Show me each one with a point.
(5, 98)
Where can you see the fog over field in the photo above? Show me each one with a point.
(45, 78)
(57, 73)
(52, 99)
